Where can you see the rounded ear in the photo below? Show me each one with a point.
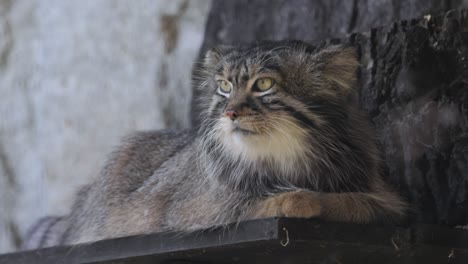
(215, 55)
(340, 65)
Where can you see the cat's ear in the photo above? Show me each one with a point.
(215, 55)
(338, 66)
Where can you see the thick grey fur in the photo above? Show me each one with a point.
(186, 180)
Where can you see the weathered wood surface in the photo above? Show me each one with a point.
(275, 240)
(414, 80)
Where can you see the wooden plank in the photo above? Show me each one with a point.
(275, 240)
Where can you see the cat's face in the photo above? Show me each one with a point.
(265, 101)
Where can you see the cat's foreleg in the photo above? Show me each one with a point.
(346, 207)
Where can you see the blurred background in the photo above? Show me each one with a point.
(76, 76)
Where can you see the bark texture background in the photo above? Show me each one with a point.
(414, 82)
(415, 88)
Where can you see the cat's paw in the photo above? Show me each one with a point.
(303, 204)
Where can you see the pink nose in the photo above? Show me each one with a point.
(231, 114)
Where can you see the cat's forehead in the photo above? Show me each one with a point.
(254, 60)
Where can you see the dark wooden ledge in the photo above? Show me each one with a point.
(276, 240)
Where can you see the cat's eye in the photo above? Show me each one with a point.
(224, 86)
(264, 84)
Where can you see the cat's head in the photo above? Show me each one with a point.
(269, 100)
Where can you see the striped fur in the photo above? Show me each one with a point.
(299, 149)
(303, 125)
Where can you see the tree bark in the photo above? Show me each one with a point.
(415, 88)
(414, 83)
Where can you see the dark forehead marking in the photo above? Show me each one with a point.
(243, 71)
(240, 63)
(246, 69)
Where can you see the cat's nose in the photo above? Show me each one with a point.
(231, 114)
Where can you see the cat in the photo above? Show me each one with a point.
(280, 136)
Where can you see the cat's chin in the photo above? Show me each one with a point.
(262, 146)
(283, 146)
(243, 132)
(241, 139)
(246, 143)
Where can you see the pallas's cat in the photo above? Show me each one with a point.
(280, 136)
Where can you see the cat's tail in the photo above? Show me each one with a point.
(47, 232)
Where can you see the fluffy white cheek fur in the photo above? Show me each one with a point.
(284, 144)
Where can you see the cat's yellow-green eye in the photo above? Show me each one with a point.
(264, 84)
(224, 86)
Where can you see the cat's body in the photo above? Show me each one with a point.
(279, 137)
